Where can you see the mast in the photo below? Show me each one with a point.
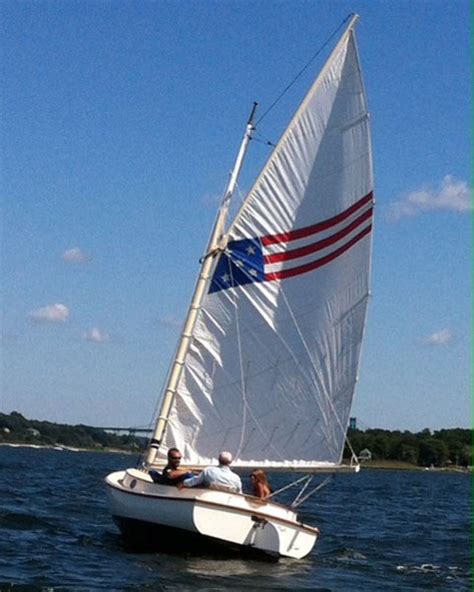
(215, 245)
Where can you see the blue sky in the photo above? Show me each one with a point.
(120, 123)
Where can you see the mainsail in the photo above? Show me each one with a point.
(271, 369)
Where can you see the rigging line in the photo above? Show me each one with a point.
(287, 88)
(241, 368)
(292, 484)
(294, 504)
(284, 343)
(241, 197)
(240, 194)
(242, 377)
(266, 142)
(263, 140)
(297, 502)
(346, 439)
(244, 397)
(343, 430)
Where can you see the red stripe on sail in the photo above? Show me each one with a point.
(286, 273)
(283, 237)
(317, 246)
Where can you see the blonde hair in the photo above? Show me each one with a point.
(260, 477)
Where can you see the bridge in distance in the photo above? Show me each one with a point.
(126, 431)
(148, 431)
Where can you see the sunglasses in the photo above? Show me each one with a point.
(175, 458)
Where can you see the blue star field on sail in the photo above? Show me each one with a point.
(240, 263)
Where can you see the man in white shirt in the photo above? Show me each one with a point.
(221, 477)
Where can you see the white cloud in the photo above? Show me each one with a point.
(439, 338)
(451, 194)
(53, 313)
(96, 336)
(75, 256)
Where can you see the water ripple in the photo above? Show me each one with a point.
(386, 531)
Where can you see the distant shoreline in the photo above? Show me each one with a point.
(394, 465)
(446, 449)
(61, 448)
(371, 465)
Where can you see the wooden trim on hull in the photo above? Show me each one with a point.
(141, 536)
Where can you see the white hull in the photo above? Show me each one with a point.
(218, 516)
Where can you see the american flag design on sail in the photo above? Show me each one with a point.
(288, 254)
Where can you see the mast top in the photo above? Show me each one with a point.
(252, 114)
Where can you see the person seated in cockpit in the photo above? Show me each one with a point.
(171, 474)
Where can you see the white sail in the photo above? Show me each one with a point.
(271, 370)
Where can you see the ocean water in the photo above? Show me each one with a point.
(380, 530)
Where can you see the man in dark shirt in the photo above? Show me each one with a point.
(172, 474)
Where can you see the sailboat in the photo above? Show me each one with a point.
(268, 359)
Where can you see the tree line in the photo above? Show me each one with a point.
(16, 429)
(425, 449)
